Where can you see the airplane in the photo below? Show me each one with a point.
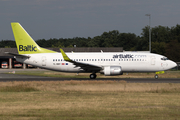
(107, 63)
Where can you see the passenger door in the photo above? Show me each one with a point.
(153, 60)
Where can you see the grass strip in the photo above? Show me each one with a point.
(91, 100)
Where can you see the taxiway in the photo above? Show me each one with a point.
(15, 77)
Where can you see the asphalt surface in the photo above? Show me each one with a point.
(14, 77)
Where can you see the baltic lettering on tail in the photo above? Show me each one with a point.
(27, 48)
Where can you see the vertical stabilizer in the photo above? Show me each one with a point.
(25, 44)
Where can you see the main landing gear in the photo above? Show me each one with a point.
(156, 76)
(93, 76)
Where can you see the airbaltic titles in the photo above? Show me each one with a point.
(127, 56)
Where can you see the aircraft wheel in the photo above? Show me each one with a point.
(92, 76)
(156, 76)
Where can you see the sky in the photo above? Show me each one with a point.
(45, 19)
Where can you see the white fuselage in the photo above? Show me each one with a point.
(129, 61)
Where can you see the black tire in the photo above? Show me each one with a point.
(92, 76)
(156, 76)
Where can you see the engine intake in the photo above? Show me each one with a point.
(112, 70)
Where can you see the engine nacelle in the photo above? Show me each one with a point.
(112, 70)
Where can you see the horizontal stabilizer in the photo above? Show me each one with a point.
(18, 55)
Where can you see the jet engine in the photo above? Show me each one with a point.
(112, 70)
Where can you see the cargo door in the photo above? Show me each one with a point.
(44, 61)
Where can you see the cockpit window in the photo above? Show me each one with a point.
(164, 58)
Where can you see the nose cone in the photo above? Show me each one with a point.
(172, 64)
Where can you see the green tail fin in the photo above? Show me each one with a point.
(25, 44)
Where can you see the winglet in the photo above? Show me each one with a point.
(66, 58)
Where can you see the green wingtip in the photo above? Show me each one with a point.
(66, 58)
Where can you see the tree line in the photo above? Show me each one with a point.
(165, 41)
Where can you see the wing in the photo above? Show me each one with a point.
(18, 55)
(85, 66)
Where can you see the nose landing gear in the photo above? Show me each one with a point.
(160, 72)
(156, 76)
